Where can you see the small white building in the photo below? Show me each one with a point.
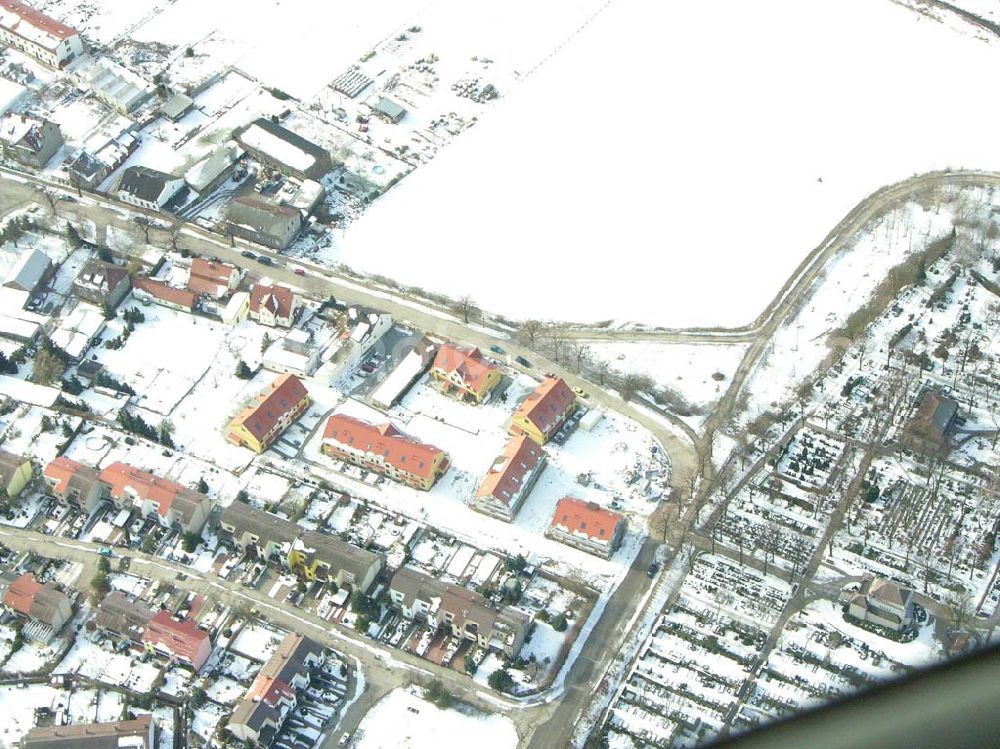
(237, 308)
(40, 36)
(297, 353)
(148, 188)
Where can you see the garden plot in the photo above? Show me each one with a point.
(20, 703)
(88, 658)
(207, 718)
(404, 720)
(225, 691)
(257, 641)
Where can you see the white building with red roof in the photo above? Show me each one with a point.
(40, 36)
(384, 449)
(173, 505)
(587, 526)
(180, 639)
(544, 410)
(510, 479)
(151, 289)
(273, 305)
(464, 373)
(214, 279)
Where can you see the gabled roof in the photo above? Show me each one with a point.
(586, 518)
(547, 403)
(212, 271)
(159, 290)
(278, 300)
(279, 399)
(10, 464)
(935, 412)
(33, 25)
(339, 555)
(266, 527)
(124, 734)
(28, 271)
(125, 480)
(395, 448)
(101, 275)
(181, 638)
(884, 590)
(261, 215)
(467, 363)
(144, 183)
(69, 474)
(25, 595)
(505, 479)
(122, 615)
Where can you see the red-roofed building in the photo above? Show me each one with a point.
(171, 504)
(46, 607)
(74, 483)
(542, 413)
(262, 422)
(587, 526)
(510, 478)
(149, 289)
(273, 305)
(33, 32)
(464, 373)
(182, 640)
(212, 279)
(384, 449)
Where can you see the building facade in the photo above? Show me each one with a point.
(541, 414)
(464, 373)
(262, 422)
(587, 526)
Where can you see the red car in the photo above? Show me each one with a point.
(299, 272)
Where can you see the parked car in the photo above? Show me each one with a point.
(496, 349)
(522, 361)
(264, 260)
(299, 271)
(247, 253)
(653, 569)
(67, 198)
(580, 392)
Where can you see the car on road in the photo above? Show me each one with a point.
(552, 375)
(67, 198)
(652, 570)
(496, 349)
(247, 253)
(299, 271)
(581, 393)
(522, 361)
(264, 260)
(344, 739)
(104, 551)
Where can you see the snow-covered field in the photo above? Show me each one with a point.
(402, 720)
(768, 154)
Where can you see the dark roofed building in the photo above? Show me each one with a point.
(101, 283)
(928, 431)
(319, 556)
(258, 533)
(286, 151)
(139, 733)
(148, 188)
(123, 616)
(265, 223)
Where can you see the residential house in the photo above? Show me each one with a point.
(510, 479)
(268, 224)
(31, 141)
(148, 188)
(273, 305)
(170, 503)
(462, 612)
(587, 526)
(122, 616)
(15, 473)
(103, 284)
(44, 38)
(881, 602)
(366, 328)
(384, 449)
(929, 430)
(318, 556)
(150, 289)
(214, 169)
(84, 169)
(282, 149)
(544, 410)
(137, 733)
(296, 353)
(258, 717)
(74, 484)
(211, 278)
(258, 534)
(262, 422)
(237, 308)
(464, 373)
(46, 607)
(179, 639)
(404, 376)
(32, 269)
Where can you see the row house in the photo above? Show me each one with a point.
(540, 415)
(461, 612)
(384, 449)
(46, 608)
(170, 503)
(74, 484)
(179, 639)
(260, 714)
(587, 526)
(137, 733)
(15, 473)
(259, 424)
(44, 38)
(123, 617)
(464, 373)
(257, 533)
(510, 479)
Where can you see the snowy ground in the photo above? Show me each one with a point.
(402, 720)
(774, 139)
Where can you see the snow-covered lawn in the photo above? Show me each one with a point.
(89, 659)
(257, 641)
(714, 189)
(402, 720)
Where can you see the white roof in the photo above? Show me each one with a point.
(10, 93)
(18, 328)
(398, 380)
(28, 392)
(278, 149)
(29, 269)
(209, 168)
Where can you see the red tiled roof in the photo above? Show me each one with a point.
(53, 28)
(397, 449)
(211, 271)
(281, 398)
(61, 470)
(505, 478)
(21, 593)
(181, 638)
(590, 519)
(547, 403)
(145, 485)
(277, 299)
(200, 285)
(468, 363)
(162, 291)
(270, 690)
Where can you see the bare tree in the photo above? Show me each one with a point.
(634, 383)
(581, 354)
(467, 307)
(962, 609)
(144, 226)
(557, 339)
(602, 369)
(50, 198)
(529, 331)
